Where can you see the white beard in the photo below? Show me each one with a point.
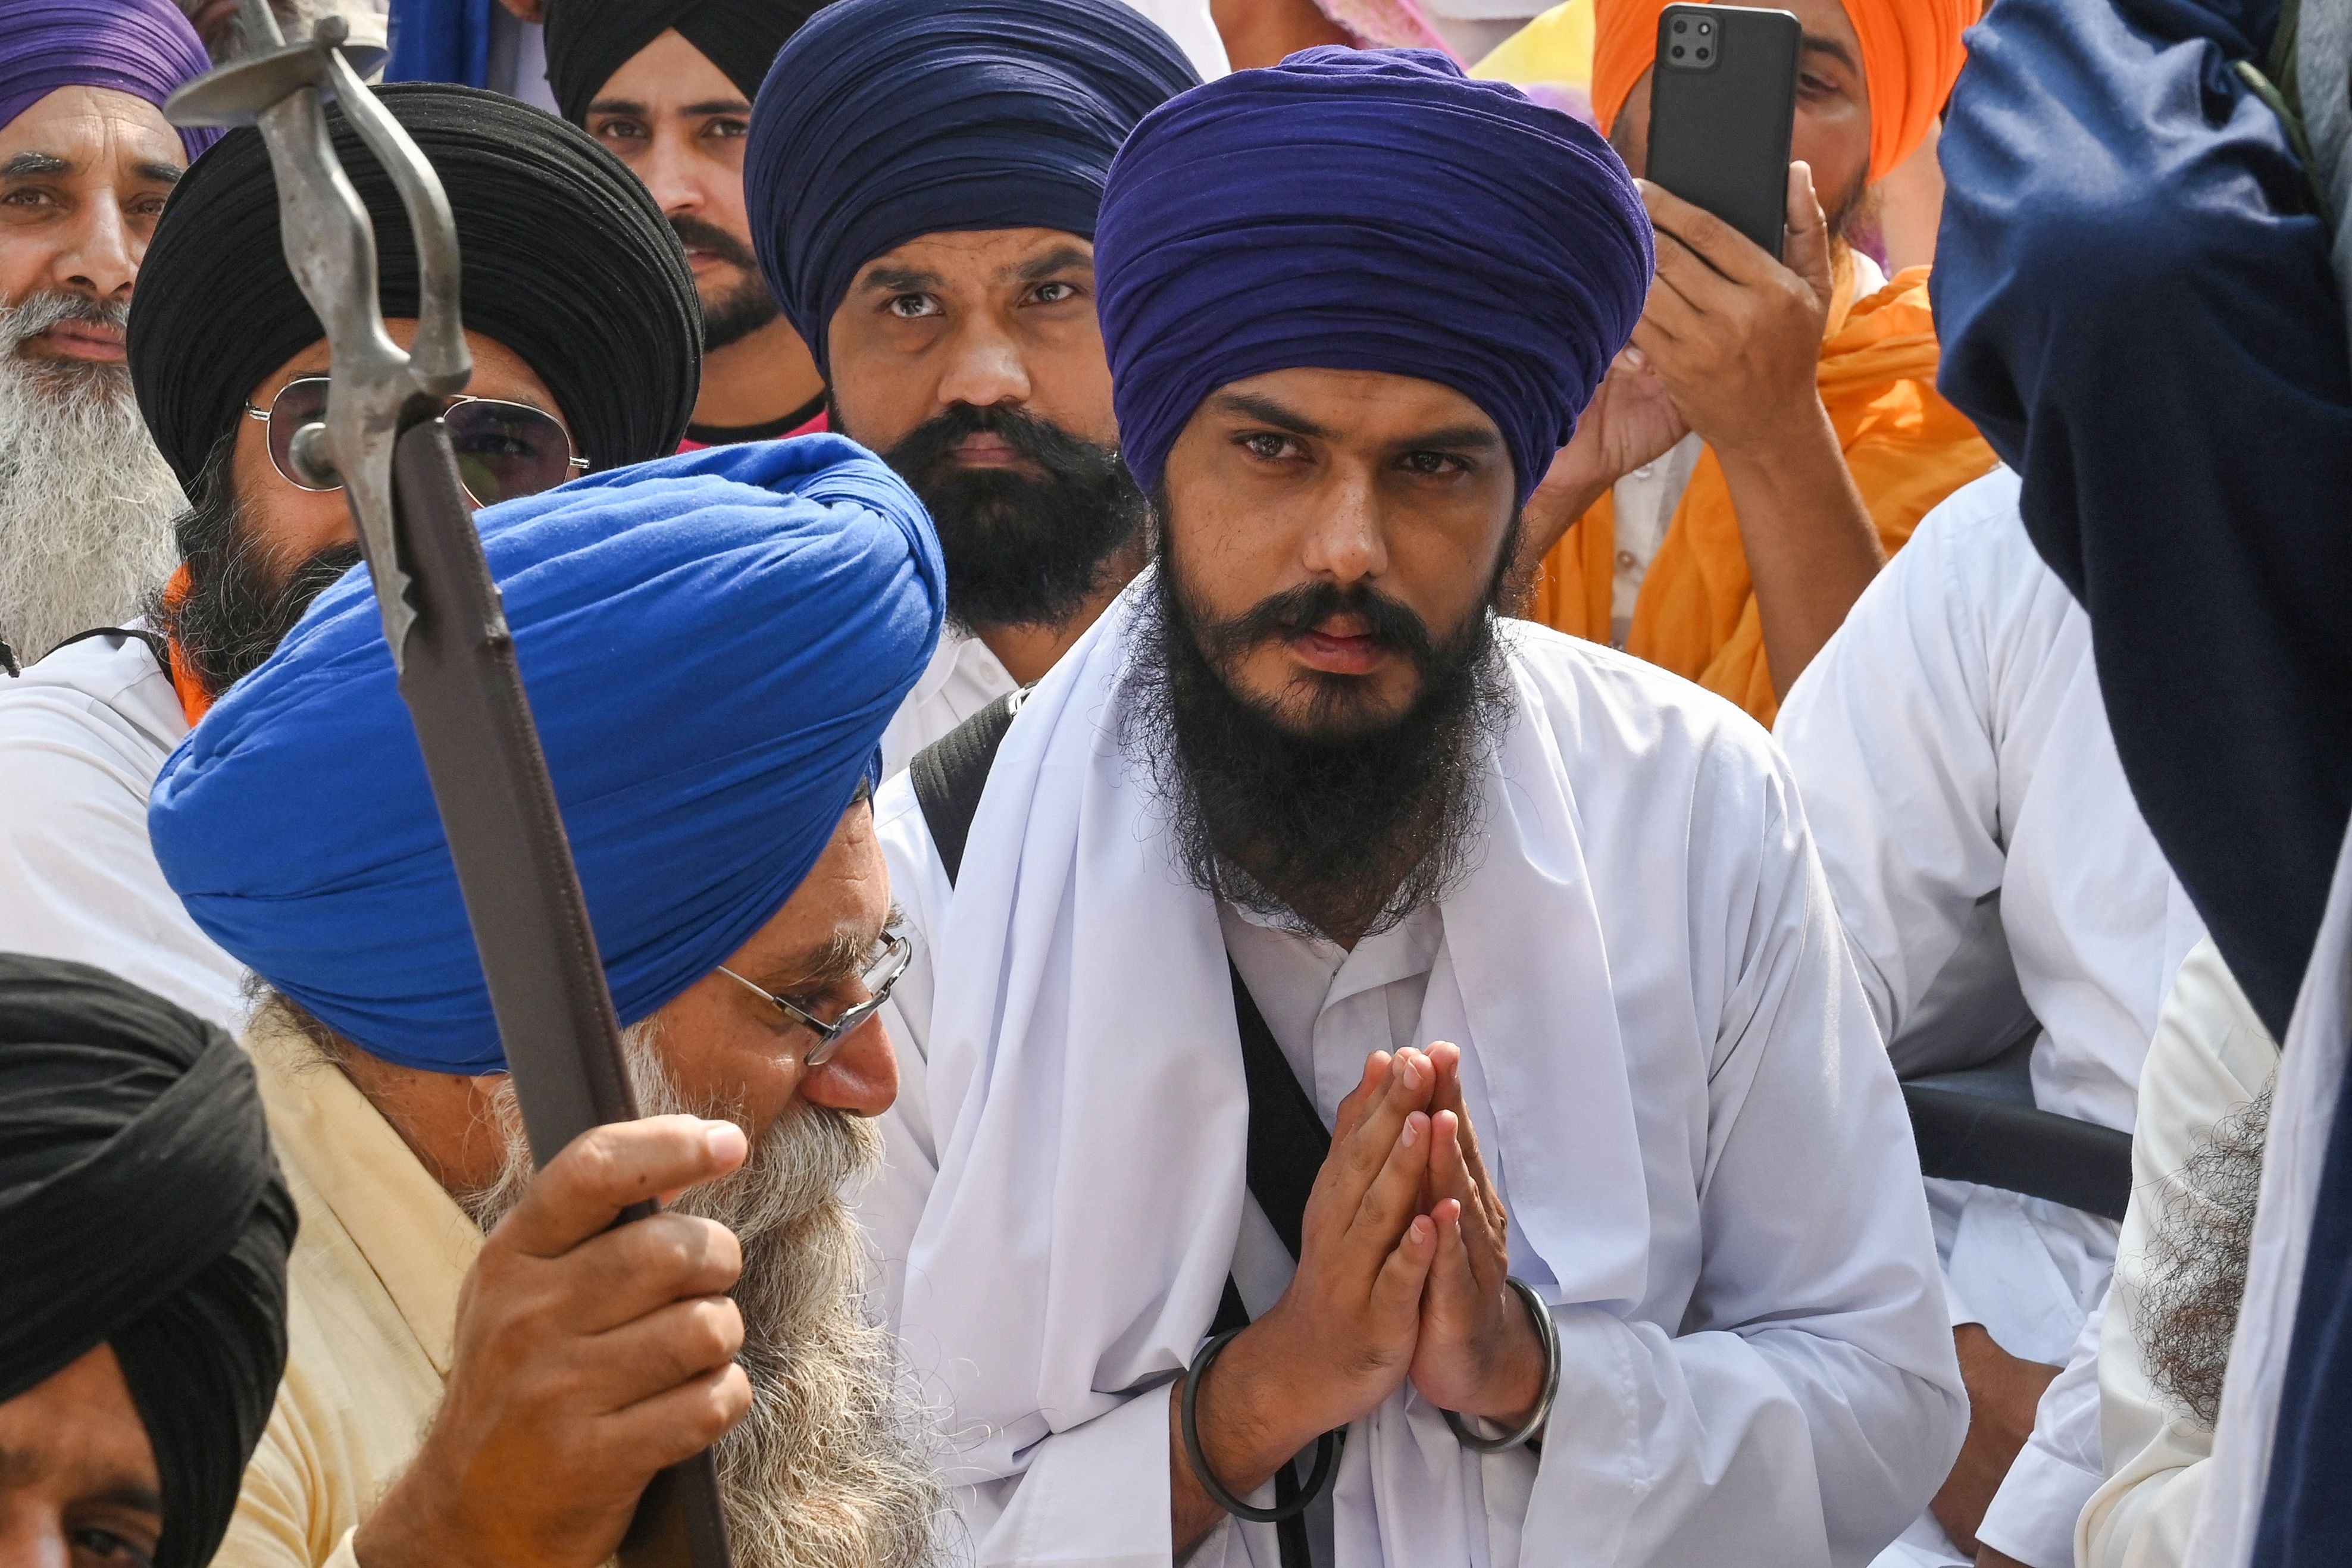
(831, 1468)
(86, 501)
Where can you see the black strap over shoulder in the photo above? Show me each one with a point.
(952, 773)
(154, 640)
(2020, 1149)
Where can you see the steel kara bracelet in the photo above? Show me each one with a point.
(1326, 1451)
(1548, 1333)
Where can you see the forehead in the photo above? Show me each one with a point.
(978, 257)
(668, 73)
(1370, 405)
(95, 128)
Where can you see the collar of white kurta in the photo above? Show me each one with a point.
(1085, 1069)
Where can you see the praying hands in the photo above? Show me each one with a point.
(1402, 1260)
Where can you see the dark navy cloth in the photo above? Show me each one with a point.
(440, 40)
(2136, 307)
(712, 645)
(884, 121)
(1367, 210)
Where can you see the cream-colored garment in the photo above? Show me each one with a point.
(2210, 1056)
(372, 1293)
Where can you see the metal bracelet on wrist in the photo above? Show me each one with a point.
(1326, 1450)
(1547, 1331)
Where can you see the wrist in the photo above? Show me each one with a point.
(1514, 1384)
(415, 1524)
(1797, 441)
(1265, 1400)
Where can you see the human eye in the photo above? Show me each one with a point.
(1267, 445)
(727, 129)
(619, 130)
(1435, 464)
(1054, 293)
(28, 198)
(912, 307)
(95, 1548)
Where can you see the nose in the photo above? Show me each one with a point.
(1347, 542)
(103, 258)
(861, 1077)
(669, 176)
(984, 367)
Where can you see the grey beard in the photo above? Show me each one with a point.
(2197, 1262)
(833, 1468)
(86, 501)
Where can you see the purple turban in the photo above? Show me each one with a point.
(1366, 210)
(144, 48)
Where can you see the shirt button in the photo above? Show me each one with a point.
(1626, 561)
(1646, 470)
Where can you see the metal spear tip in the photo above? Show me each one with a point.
(237, 94)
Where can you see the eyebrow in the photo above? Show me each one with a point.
(634, 107)
(1456, 438)
(1251, 405)
(159, 173)
(132, 1495)
(1822, 44)
(897, 281)
(24, 166)
(843, 957)
(19, 1468)
(1061, 258)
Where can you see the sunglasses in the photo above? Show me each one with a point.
(504, 449)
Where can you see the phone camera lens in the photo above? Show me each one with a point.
(1704, 28)
(1682, 26)
(1703, 52)
(1678, 51)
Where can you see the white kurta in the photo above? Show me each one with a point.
(1952, 746)
(2302, 1117)
(82, 734)
(1665, 1050)
(963, 678)
(2211, 1056)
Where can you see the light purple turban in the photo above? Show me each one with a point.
(144, 48)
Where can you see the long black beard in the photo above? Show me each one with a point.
(741, 310)
(240, 603)
(1345, 826)
(2197, 1264)
(1021, 551)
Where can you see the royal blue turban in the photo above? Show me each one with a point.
(1366, 210)
(712, 645)
(886, 120)
(144, 48)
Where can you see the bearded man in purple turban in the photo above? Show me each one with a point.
(86, 161)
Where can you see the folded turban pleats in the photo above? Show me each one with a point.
(140, 1208)
(566, 260)
(588, 40)
(1367, 210)
(713, 645)
(144, 48)
(886, 120)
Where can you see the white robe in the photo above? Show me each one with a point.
(1953, 749)
(1679, 1087)
(963, 678)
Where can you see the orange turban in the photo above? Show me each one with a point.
(1911, 54)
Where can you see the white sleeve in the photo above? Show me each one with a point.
(2033, 1514)
(1095, 1495)
(893, 1202)
(1892, 733)
(78, 878)
(1810, 1403)
(2210, 1057)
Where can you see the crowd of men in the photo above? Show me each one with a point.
(1276, 775)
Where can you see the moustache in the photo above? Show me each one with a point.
(1296, 612)
(918, 456)
(695, 234)
(39, 312)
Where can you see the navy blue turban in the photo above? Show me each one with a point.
(883, 121)
(712, 645)
(1366, 210)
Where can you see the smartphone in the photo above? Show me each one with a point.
(1723, 104)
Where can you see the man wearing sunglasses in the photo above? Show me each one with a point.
(481, 1369)
(667, 86)
(584, 333)
(922, 179)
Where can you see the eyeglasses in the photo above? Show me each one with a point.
(880, 977)
(504, 449)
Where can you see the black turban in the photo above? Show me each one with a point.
(140, 1206)
(567, 261)
(588, 40)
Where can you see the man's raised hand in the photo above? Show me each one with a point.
(1339, 1340)
(1477, 1353)
(587, 1359)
